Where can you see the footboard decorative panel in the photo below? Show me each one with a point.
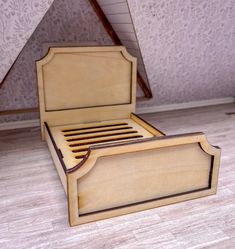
(126, 178)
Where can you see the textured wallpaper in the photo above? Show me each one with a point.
(187, 45)
(188, 48)
(66, 21)
(18, 20)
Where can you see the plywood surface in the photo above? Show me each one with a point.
(142, 176)
(83, 79)
(86, 84)
(34, 209)
(57, 162)
(74, 140)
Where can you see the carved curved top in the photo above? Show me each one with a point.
(82, 79)
(54, 50)
(150, 143)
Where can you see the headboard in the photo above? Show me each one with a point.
(86, 84)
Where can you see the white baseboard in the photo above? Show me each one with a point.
(19, 124)
(187, 105)
(36, 123)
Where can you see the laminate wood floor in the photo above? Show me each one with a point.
(33, 207)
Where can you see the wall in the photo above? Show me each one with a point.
(65, 21)
(187, 45)
(18, 20)
(188, 48)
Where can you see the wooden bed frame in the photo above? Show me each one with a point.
(110, 161)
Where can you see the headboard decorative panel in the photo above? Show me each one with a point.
(75, 81)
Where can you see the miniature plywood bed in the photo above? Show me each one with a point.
(110, 161)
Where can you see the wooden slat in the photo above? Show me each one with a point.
(100, 135)
(70, 153)
(123, 27)
(108, 27)
(110, 2)
(103, 140)
(80, 155)
(118, 8)
(119, 18)
(101, 130)
(85, 147)
(131, 44)
(88, 127)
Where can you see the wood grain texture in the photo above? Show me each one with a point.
(68, 151)
(86, 84)
(33, 204)
(142, 176)
(120, 172)
(116, 176)
(57, 162)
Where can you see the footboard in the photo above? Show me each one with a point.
(121, 178)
